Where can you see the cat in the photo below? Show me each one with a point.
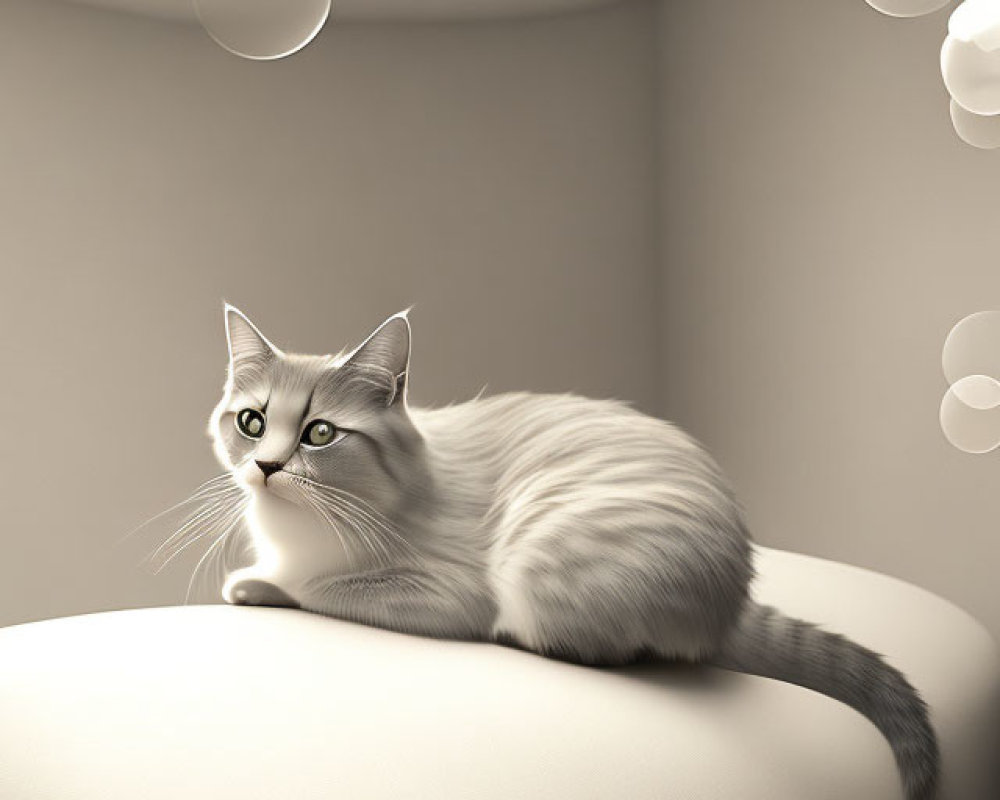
(578, 529)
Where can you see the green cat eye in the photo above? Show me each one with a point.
(319, 433)
(250, 423)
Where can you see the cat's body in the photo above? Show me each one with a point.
(574, 528)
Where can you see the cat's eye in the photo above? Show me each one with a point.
(319, 433)
(250, 423)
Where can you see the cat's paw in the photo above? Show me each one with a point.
(253, 592)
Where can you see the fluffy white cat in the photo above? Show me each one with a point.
(579, 529)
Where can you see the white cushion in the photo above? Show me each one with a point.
(245, 703)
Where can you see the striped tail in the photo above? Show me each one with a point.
(768, 643)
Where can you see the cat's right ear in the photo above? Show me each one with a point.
(246, 343)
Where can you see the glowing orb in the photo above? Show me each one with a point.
(263, 29)
(975, 129)
(907, 8)
(970, 56)
(973, 347)
(970, 414)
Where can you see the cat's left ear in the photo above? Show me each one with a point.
(246, 343)
(385, 356)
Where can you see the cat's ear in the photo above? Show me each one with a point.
(385, 356)
(246, 343)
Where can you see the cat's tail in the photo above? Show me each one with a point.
(766, 642)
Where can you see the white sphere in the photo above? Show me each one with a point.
(970, 414)
(907, 8)
(976, 129)
(972, 75)
(977, 21)
(972, 347)
(263, 29)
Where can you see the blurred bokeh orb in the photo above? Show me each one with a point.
(970, 414)
(907, 8)
(970, 56)
(973, 347)
(977, 21)
(972, 75)
(263, 29)
(976, 129)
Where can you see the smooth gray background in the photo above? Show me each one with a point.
(752, 218)
(823, 230)
(496, 175)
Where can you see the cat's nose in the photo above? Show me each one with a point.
(269, 467)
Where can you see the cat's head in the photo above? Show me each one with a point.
(290, 423)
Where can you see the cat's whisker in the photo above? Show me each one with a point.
(374, 544)
(360, 507)
(190, 528)
(360, 503)
(378, 527)
(331, 509)
(211, 506)
(221, 560)
(198, 582)
(311, 501)
(207, 555)
(367, 530)
(195, 574)
(369, 535)
(205, 490)
(196, 530)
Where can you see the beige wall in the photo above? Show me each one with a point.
(823, 229)
(820, 229)
(499, 176)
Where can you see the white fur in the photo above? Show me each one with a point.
(575, 528)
